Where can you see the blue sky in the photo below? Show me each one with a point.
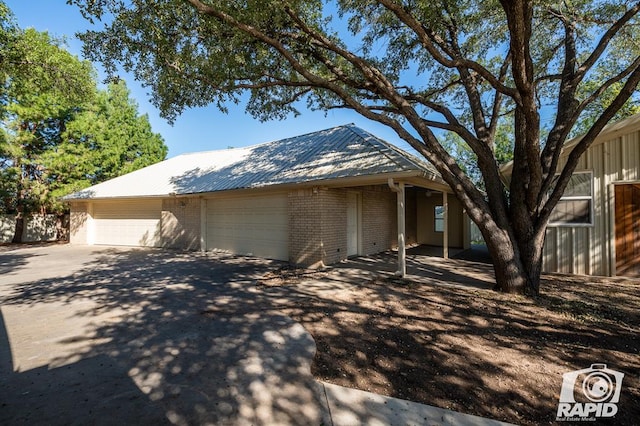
(196, 129)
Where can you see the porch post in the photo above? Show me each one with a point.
(402, 260)
(445, 235)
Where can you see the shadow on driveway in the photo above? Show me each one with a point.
(153, 336)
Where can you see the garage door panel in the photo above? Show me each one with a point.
(128, 223)
(256, 225)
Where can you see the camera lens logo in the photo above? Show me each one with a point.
(598, 387)
(590, 393)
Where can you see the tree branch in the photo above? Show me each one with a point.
(426, 40)
(586, 141)
(605, 40)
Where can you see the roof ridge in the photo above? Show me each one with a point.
(256, 145)
(416, 162)
(366, 137)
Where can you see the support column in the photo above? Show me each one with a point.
(445, 235)
(402, 260)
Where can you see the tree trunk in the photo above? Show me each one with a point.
(62, 228)
(17, 235)
(20, 207)
(517, 268)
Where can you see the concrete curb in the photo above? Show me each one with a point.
(350, 407)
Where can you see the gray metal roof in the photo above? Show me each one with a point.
(340, 152)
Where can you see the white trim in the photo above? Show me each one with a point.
(590, 198)
(612, 222)
(611, 196)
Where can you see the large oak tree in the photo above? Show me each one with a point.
(419, 67)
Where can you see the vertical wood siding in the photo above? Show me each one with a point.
(587, 250)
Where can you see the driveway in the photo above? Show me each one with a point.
(114, 336)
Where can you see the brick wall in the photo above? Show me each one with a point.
(379, 219)
(181, 223)
(334, 225)
(305, 228)
(318, 224)
(78, 222)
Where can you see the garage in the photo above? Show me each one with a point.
(255, 225)
(127, 223)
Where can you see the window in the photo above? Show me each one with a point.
(575, 207)
(438, 214)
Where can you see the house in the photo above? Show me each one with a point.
(311, 200)
(595, 229)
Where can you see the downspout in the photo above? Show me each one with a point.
(398, 188)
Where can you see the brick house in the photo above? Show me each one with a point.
(311, 200)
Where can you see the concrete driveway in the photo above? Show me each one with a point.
(98, 335)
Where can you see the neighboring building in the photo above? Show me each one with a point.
(313, 199)
(595, 229)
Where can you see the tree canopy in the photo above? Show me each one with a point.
(44, 86)
(58, 131)
(419, 67)
(105, 139)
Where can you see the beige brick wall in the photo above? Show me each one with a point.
(318, 224)
(78, 222)
(181, 223)
(305, 228)
(334, 225)
(379, 219)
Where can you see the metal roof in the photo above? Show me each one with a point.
(608, 133)
(340, 152)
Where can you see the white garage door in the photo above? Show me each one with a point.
(128, 223)
(255, 225)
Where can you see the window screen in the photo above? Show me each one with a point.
(438, 215)
(576, 205)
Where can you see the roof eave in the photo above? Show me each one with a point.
(412, 176)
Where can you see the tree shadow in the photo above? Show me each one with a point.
(143, 341)
(462, 347)
(12, 262)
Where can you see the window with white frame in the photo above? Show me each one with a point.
(438, 214)
(575, 207)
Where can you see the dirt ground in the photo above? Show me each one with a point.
(469, 349)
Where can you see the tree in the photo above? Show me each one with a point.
(467, 159)
(8, 32)
(43, 86)
(106, 139)
(59, 132)
(418, 67)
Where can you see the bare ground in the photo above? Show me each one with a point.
(466, 348)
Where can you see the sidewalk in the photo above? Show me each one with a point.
(348, 407)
